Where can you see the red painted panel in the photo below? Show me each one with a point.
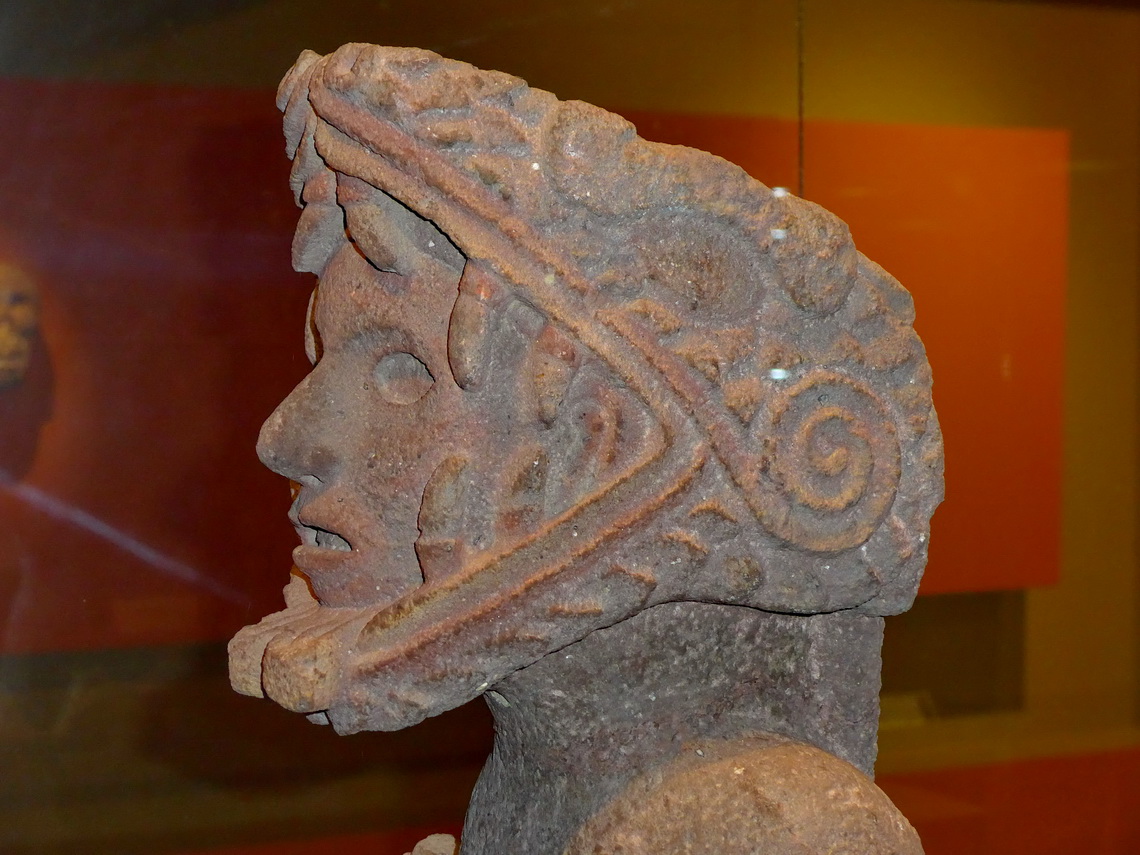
(1049, 806)
(158, 222)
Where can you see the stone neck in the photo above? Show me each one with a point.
(573, 729)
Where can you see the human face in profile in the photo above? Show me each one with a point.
(362, 434)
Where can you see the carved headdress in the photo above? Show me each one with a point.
(701, 390)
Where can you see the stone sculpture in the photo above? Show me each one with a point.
(609, 432)
(19, 320)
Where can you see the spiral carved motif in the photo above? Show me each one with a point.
(831, 464)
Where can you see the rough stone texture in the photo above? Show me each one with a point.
(435, 844)
(776, 791)
(576, 729)
(19, 321)
(602, 425)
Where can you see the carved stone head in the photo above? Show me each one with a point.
(560, 375)
(19, 320)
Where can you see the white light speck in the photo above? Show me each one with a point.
(779, 192)
(778, 373)
(431, 243)
(535, 166)
(779, 234)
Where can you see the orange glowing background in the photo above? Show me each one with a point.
(158, 221)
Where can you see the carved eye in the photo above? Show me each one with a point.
(402, 379)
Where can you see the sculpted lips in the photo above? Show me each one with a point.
(312, 535)
(325, 532)
(321, 550)
(347, 560)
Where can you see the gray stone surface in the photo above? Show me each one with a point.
(576, 728)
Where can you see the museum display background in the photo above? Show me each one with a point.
(986, 153)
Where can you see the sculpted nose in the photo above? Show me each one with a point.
(292, 440)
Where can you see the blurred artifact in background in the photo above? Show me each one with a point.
(606, 431)
(19, 321)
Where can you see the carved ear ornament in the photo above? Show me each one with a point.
(469, 330)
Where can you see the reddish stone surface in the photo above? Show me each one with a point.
(603, 426)
(721, 796)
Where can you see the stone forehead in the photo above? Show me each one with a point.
(572, 187)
